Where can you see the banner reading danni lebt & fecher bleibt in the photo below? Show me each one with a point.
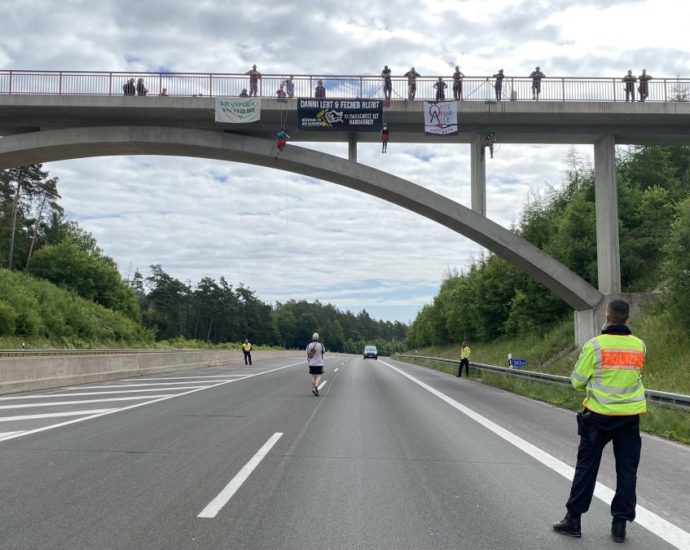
(352, 115)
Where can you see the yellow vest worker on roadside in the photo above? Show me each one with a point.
(464, 359)
(609, 369)
(247, 349)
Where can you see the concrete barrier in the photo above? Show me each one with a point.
(35, 373)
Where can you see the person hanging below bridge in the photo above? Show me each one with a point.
(385, 136)
(281, 140)
(489, 141)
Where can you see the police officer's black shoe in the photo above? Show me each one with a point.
(618, 530)
(569, 525)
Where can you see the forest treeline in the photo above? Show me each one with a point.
(58, 285)
(492, 298)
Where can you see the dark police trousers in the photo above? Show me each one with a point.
(464, 363)
(596, 431)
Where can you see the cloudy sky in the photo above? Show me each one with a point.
(286, 236)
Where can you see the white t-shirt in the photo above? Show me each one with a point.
(317, 359)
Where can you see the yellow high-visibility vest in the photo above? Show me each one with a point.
(610, 369)
(465, 352)
(246, 346)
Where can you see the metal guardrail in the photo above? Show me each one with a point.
(665, 398)
(475, 88)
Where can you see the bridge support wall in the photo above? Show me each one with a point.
(606, 207)
(352, 147)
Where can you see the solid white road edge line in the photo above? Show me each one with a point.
(216, 505)
(662, 528)
(52, 426)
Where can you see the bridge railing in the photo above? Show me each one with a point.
(475, 88)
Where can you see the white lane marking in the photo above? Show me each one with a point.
(336, 370)
(197, 389)
(3, 435)
(52, 415)
(322, 384)
(656, 524)
(143, 384)
(81, 402)
(216, 505)
(181, 377)
(48, 395)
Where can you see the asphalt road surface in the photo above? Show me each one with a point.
(390, 456)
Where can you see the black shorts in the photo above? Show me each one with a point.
(315, 370)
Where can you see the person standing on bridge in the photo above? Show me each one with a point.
(387, 85)
(457, 83)
(315, 352)
(536, 77)
(290, 86)
(464, 359)
(320, 91)
(629, 87)
(411, 76)
(141, 88)
(644, 79)
(498, 85)
(254, 77)
(247, 350)
(609, 369)
(129, 88)
(440, 89)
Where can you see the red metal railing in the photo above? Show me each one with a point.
(217, 84)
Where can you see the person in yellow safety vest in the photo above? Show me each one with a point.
(247, 349)
(464, 359)
(609, 369)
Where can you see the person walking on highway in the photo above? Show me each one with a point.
(315, 351)
(629, 87)
(247, 350)
(464, 359)
(609, 369)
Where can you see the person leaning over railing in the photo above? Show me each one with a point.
(644, 79)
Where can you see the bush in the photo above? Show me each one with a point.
(8, 319)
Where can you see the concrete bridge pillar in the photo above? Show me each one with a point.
(352, 147)
(478, 174)
(606, 205)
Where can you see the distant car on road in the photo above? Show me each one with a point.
(371, 352)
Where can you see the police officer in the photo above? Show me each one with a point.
(464, 359)
(609, 368)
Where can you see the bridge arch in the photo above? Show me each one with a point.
(73, 143)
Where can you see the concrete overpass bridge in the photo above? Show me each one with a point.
(42, 128)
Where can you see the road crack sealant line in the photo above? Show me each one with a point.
(112, 411)
(665, 530)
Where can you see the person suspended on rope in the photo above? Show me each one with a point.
(385, 134)
(281, 139)
(489, 141)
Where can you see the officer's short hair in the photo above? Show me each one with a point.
(618, 311)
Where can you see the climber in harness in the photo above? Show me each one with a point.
(385, 134)
(489, 141)
(281, 140)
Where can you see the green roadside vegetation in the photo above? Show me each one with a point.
(667, 366)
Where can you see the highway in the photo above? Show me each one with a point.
(390, 456)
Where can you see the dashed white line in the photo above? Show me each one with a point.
(663, 529)
(336, 370)
(236, 482)
(322, 384)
